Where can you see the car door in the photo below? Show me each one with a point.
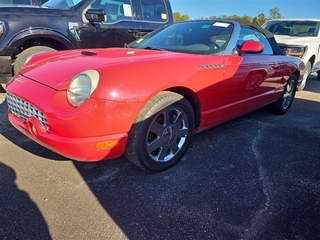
(250, 79)
(259, 74)
(119, 27)
(125, 21)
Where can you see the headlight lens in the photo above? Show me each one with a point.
(82, 86)
(296, 51)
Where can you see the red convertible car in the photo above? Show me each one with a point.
(147, 100)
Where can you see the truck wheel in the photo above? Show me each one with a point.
(305, 76)
(161, 133)
(26, 55)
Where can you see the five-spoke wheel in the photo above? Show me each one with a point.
(283, 104)
(161, 133)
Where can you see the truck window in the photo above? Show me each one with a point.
(115, 9)
(293, 28)
(154, 10)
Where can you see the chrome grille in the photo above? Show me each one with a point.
(24, 110)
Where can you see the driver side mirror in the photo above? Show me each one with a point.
(96, 15)
(251, 47)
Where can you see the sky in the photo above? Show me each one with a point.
(206, 8)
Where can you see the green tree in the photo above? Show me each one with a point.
(180, 18)
(248, 18)
(275, 13)
(245, 17)
(261, 19)
(218, 17)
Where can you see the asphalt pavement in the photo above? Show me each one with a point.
(256, 177)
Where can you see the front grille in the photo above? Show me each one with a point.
(24, 110)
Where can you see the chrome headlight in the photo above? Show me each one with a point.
(82, 86)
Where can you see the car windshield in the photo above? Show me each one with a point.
(293, 28)
(61, 4)
(198, 37)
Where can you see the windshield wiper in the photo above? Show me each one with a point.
(153, 48)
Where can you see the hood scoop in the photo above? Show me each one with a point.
(88, 53)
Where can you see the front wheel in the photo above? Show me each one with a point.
(162, 132)
(282, 105)
(27, 54)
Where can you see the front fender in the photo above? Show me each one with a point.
(28, 34)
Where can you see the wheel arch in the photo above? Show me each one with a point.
(297, 73)
(192, 98)
(39, 37)
(312, 60)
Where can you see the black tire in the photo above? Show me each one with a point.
(3, 88)
(318, 75)
(26, 55)
(305, 76)
(282, 105)
(161, 133)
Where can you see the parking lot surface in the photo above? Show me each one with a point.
(256, 177)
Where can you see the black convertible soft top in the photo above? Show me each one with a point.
(277, 50)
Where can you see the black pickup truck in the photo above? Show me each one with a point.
(23, 2)
(70, 24)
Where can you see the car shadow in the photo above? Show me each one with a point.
(233, 183)
(19, 139)
(19, 216)
(255, 177)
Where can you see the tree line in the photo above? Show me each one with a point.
(260, 19)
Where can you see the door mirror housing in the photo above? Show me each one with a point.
(251, 47)
(96, 15)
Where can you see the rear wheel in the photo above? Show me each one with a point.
(305, 76)
(162, 132)
(26, 55)
(282, 105)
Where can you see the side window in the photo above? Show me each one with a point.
(115, 9)
(154, 11)
(248, 34)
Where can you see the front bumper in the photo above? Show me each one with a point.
(97, 130)
(80, 149)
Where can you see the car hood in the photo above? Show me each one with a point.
(64, 65)
(293, 40)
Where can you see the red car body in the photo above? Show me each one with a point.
(218, 87)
